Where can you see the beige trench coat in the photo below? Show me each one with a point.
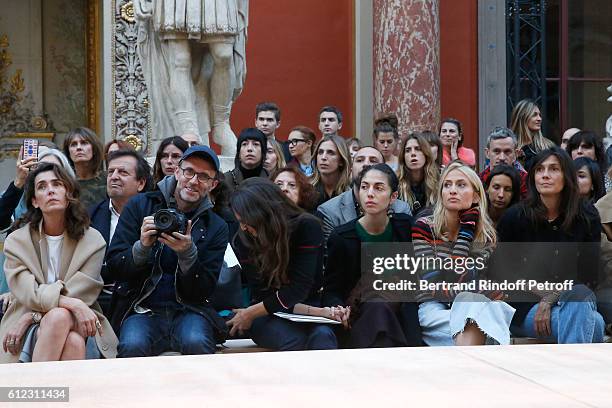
(79, 277)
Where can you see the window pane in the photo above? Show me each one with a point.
(552, 39)
(590, 38)
(587, 106)
(551, 121)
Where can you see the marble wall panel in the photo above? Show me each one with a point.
(407, 62)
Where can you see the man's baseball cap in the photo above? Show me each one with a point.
(205, 153)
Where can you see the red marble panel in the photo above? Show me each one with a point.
(407, 62)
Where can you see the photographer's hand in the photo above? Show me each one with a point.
(148, 233)
(176, 241)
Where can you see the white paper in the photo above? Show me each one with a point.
(230, 257)
(305, 318)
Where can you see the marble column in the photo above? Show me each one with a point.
(407, 62)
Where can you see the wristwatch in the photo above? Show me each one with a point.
(36, 317)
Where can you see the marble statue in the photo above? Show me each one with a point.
(192, 54)
(609, 121)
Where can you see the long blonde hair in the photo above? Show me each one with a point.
(280, 157)
(431, 172)
(344, 167)
(485, 231)
(521, 114)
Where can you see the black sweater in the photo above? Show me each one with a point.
(304, 269)
(572, 254)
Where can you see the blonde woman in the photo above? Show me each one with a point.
(418, 173)
(526, 123)
(458, 229)
(275, 159)
(332, 168)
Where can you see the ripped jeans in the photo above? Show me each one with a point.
(440, 323)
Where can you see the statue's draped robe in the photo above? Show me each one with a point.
(200, 21)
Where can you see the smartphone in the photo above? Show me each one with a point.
(30, 148)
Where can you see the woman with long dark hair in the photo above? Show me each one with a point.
(85, 153)
(168, 155)
(569, 232)
(280, 247)
(590, 184)
(53, 267)
(503, 189)
(588, 144)
(373, 323)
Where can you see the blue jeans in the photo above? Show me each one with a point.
(280, 334)
(573, 320)
(165, 329)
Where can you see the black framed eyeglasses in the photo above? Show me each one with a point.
(202, 177)
(294, 142)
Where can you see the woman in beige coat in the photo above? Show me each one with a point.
(53, 271)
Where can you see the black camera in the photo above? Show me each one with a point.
(169, 221)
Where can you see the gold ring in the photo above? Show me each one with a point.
(11, 342)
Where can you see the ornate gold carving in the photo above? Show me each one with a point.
(38, 123)
(17, 84)
(127, 12)
(4, 42)
(134, 141)
(93, 63)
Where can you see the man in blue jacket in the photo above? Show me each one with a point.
(128, 174)
(166, 278)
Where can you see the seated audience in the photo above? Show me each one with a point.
(588, 144)
(526, 123)
(502, 149)
(354, 144)
(567, 135)
(451, 136)
(280, 248)
(167, 275)
(297, 187)
(13, 203)
(604, 289)
(589, 179)
(192, 139)
(84, 151)
(418, 173)
(435, 144)
(53, 270)
(115, 145)
(346, 207)
(386, 139)
(555, 213)
(372, 323)
(249, 161)
(274, 157)
(503, 188)
(458, 228)
(301, 145)
(128, 174)
(330, 121)
(168, 155)
(332, 168)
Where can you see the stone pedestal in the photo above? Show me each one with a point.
(407, 62)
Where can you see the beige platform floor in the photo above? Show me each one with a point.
(511, 376)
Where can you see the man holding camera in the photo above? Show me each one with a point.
(167, 253)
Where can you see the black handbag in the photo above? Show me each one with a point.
(228, 292)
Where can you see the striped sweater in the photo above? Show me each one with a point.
(445, 259)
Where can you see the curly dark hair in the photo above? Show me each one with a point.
(308, 196)
(76, 217)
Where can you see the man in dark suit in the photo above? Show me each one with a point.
(128, 174)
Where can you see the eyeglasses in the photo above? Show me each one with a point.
(294, 142)
(202, 177)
